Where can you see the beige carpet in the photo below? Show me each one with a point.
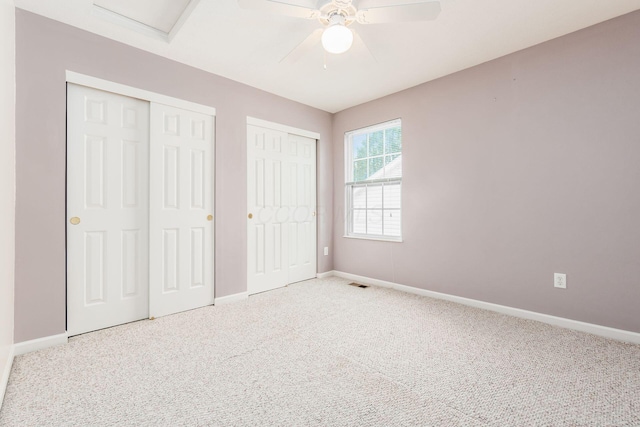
(322, 353)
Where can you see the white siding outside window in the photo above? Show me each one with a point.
(373, 187)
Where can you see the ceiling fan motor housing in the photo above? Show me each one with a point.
(331, 11)
(342, 4)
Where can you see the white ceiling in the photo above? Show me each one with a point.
(247, 45)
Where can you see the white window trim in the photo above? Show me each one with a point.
(374, 238)
(348, 156)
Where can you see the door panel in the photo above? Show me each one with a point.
(302, 221)
(281, 232)
(267, 199)
(107, 183)
(181, 199)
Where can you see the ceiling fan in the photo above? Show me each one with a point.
(336, 16)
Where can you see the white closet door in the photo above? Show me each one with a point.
(302, 207)
(281, 202)
(181, 200)
(107, 209)
(268, 210)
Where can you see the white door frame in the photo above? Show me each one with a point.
(282, 128)
(294, 131)
(145, 95)
(151, 97)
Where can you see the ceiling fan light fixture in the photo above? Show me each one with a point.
(337, 38)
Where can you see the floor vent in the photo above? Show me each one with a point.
(358, 285)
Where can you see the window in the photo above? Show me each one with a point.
(373, 181)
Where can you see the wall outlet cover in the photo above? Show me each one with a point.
(560, 280)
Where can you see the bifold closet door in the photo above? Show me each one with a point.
(181, 210)
(281, 203)
(107, 209)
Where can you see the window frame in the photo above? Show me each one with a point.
(350, 184)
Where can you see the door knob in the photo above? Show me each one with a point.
(209, 217)
(75, 220)
(250, 215)
(314, 213)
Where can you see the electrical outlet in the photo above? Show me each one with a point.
(560, 280)
(326, 250)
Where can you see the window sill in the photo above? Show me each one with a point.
(376, 238)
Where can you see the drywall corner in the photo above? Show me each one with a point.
(7, 188)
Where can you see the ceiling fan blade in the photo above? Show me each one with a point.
(359, 41)
(304, 47)
(300, 9)
(422, 11)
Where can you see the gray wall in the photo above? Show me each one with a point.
(7, 182)
(513, 170)
(45, 49)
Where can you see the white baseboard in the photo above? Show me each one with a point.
(4, 377)
(604, 331)
(229, 299)
(39, 344)
(326, 274)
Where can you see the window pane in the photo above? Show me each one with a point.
(374, 197)
(374, 222)
(359, 146)
(373, 181)
(393, 166)
(359, 221)
(392, 196)
(376, 143)
(359, 197)
(392, 222)
(375, 168)
(391, 158)
(393, 140)
(360, 170)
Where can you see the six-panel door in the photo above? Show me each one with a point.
(302, 204)
(281, 204)
(107, 209)
(181, 210)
